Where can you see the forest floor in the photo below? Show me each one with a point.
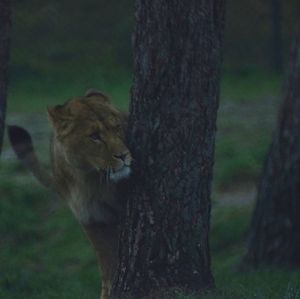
(45, 255)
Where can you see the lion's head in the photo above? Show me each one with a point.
(90, 132)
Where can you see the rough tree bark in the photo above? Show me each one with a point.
(5, 23)
(172, 127)
(275, 230)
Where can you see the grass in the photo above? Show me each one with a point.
(249, 83)
(39, 238)
(44, 254)
(32, 93)
(228, 241)
(34, 89)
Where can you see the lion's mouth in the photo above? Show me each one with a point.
(115, 176)
(120, 174)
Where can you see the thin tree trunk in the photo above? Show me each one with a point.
(5, 23)
(277, 43)
(172, 126)
(275, 230)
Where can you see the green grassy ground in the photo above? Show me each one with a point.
(33, 90)
(43, 252)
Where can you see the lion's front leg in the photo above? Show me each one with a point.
(105, 241)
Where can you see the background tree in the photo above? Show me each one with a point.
(275, 229)
(277, 42)
(172, 126)
(5, 11)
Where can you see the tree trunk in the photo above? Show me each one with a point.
(172, 126)
(275, 230)
(277, 44)
(5, 15)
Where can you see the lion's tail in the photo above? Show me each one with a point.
(21, 142)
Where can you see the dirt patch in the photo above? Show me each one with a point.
(241, 196)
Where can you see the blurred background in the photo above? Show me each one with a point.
(62, 48)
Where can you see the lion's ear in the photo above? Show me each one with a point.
(54, 113)
(58, 114)
(96, 93)
(60, 119)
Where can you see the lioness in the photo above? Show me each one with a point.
(89, 159)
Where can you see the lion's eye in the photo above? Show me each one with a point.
(95, 136)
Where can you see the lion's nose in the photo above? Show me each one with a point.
(122, 156)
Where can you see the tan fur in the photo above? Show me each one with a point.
(89, 157)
